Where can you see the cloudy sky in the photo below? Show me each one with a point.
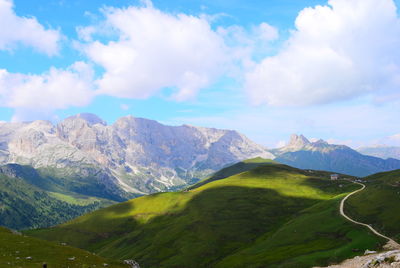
(326, 69)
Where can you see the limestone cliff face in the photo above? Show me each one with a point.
(138, 155)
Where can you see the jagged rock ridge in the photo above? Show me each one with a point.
(138, 155)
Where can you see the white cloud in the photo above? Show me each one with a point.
(266, 32)
(155, 50)
(124, 107)
(245, 43)
(16, 30)
(345, 49)
(33, 95)
(85, 33)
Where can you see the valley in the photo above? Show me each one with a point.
(220, 209)
(199, 134)
(271, 215)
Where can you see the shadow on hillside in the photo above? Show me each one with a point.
(214, 223)
(231, 170)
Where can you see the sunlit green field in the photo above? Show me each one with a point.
(379, 203)
(20, 251)
(272, 215)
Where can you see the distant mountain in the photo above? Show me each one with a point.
(30, 200)
(320, 155)
(384, 152)
(132, 156)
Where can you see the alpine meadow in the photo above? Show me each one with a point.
(200, 134)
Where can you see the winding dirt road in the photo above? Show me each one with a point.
(391, 242)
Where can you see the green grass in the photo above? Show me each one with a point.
(270, 215)
(81, 200)
(233, 170)
(317, 235)
(15, 249)
(23, 205)
(379, 203)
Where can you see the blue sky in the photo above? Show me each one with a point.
(265, 68)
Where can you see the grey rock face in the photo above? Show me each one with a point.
(138, 155)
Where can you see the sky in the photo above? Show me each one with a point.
(325, 69)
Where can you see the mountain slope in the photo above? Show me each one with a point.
(379, 203)
(270, 214)
(320, 155)
(234, 169)
(384, 152)
(21, 251)
(25, 202)
(132, 155)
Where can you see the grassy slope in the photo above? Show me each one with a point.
(270, 215)
(318, 235)
(233, 170)
(379, 203)
(14, 250)
(23, 205)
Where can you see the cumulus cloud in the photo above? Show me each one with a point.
(27, 31)
(245, 43)
(155, 50)
(55, 89)
(339, 51)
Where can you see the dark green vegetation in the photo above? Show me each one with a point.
(21, 251)
(379, 203)
(269, 216)
(30, 200)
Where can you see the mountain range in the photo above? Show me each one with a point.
(136, 156)
(275, 212)
(133, 156)
(321, 155)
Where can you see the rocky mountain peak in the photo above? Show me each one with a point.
(298, 141)
(91, 119)
(320, 142)
(138, 154)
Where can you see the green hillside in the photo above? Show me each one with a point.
(21, 251)
(234, 169)
(379, 203)
(24, 205)
(84, 181)
(270, 216)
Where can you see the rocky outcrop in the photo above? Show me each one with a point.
(375, 260)
(138, 155)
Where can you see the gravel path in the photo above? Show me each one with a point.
(342, 203)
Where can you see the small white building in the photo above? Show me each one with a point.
(334, 177)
